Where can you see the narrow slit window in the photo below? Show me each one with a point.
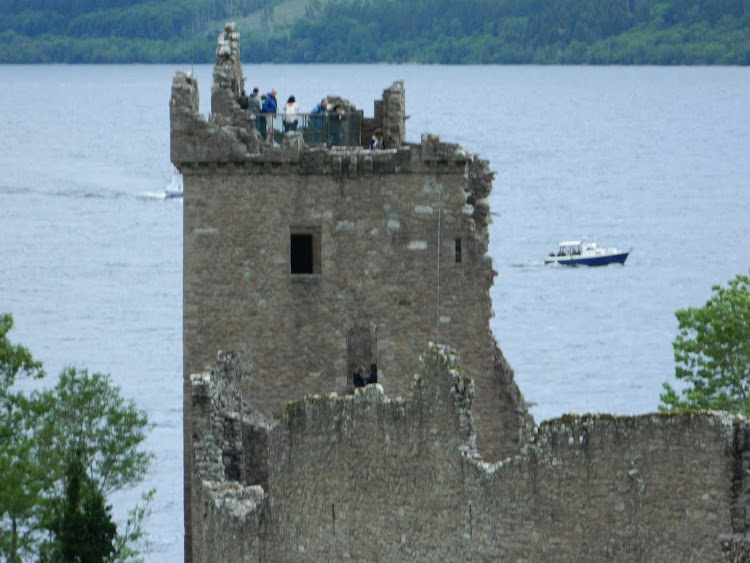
(305, 251)
(458, 250)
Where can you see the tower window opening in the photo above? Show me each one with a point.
(305, 251)
(458, 250)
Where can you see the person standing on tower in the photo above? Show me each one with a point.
(270, 107)
(318, 120)
(253, 102)
(291, 109)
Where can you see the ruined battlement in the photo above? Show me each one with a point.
(229, 139)
(373, 478)
(230, 136)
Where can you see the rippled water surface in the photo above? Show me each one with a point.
(653, 158)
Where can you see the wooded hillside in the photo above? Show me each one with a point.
(428, 31)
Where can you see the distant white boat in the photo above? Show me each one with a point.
(174, 188)
(581, 253)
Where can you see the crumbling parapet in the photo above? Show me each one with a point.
(207, 459)
(441, 358)
(185, 99)
(217, 430)
(479, 179)
(228, 83)
(394, 115)
(740, 447)
(574, 430)
(195, 140)
(226, 89)
(229, 505)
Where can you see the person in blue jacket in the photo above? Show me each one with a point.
(270, 106)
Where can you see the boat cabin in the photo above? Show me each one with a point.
(569, 248)
(576, 248)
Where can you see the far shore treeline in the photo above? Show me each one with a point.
(676, 32)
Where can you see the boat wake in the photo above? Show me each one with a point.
(152, 195)
(527, 265)
(173, 189)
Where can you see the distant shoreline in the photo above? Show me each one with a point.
(624, 50)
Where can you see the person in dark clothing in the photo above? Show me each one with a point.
(318, 120)
(373, 377)
(376, 142)
(261, 124)
(253, 102)
(358, 379)
(334, 126)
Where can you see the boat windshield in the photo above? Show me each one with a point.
(569, 248)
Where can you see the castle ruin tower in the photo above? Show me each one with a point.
(311, 259)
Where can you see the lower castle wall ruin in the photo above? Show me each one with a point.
(368, 478)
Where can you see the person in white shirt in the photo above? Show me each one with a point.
(291, 109)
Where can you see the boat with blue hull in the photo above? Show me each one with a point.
(582, 253)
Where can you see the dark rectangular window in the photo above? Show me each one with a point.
(458, 250)
(305, 251)
(302, 260)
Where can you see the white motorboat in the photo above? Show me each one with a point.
(582, 253)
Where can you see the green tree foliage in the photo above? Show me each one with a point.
(438, 31)
(712, 352)
(21, 481)
(63, 450)
(508, 31)
(86, 416)
(114, 31)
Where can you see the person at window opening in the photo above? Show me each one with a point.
(357, 377)
(291, 109)
(376, 142)
(334, 126)
(373, 377)
(318, 120)
(270, 107)
(243, 100)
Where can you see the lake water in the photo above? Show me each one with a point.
(649, 157)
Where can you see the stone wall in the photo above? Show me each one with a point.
(368, 478)
(224, 436)
(398, 244)
(376, 217)
(400, 249)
